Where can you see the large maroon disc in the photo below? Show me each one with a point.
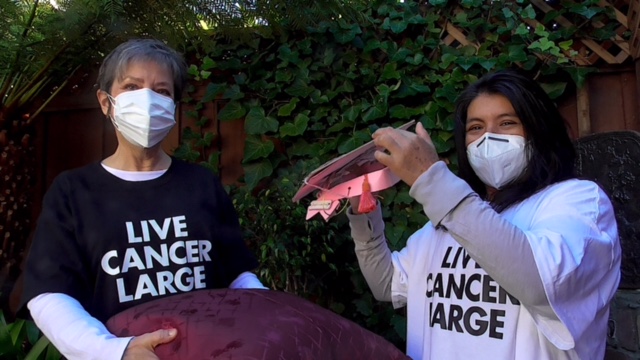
(251, 324)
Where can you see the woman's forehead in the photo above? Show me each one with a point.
(144, 67)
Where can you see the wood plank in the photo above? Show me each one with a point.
(622, 18)
(74, 139)
(568, 108)
(629, 100)
(606, 103)
(459, 35)
(232, 139)
(584, 118)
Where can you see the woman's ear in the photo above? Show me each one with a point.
(105, 103)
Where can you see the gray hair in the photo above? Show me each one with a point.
(116, 63)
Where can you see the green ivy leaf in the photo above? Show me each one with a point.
(448, 91)
(358, 138)
(352, 113)
(446, 60)
(398, 26)
(554, 90)
(206, 140)
(299, 88)
(403, 112)
(438, 2)
(541, 31)
(318, 98)
(543, 44)
(296, 128)
(403, 197)
(233, 93)
(212, 92)
(516, 53)
(285, 110)
(466, 62)
(565, 45)
(256, 123)
(256, 148)
(364, 307)
(339, 126)
(186, 152)
(284, 75)
(192, 70)
(488, 64)
(522, 30)
(416, 59)
(232, 111)
(375, 112)
(347, 86)
(529, 12)
(586, 11)
(343, 36)
(208, 63)
(390, 72)
(579, 74)
(303, 148)
(253, 173)
(205, 74)
(399, 324)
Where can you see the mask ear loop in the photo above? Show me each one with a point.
(112, 105)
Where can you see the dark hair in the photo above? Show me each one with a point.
(549, 146)
(116, 63)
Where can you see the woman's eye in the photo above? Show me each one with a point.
(473, 128)
(164, 92)
(131, 87)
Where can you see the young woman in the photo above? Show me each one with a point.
(519, 259)
(137, 226)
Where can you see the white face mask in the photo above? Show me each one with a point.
(498, 159)
(143, 116)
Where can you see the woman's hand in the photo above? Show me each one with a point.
(141, 347)
(408, 155)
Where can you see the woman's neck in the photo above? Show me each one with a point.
(491, 193)
(129, 158)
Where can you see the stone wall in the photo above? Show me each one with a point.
(623, 342)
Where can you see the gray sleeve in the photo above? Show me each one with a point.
(499, 247)
(374, 256)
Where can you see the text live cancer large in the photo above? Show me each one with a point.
(157, 255)
(460, 278)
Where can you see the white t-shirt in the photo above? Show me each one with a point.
(457, 311)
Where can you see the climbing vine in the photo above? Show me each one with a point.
(308, 96)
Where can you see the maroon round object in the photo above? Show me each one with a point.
(251, 324)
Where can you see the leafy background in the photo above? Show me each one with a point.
(307, 96)
(310, 80)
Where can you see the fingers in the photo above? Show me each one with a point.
(156, 338)
(388, 139)
(422, 132)
(382, 157)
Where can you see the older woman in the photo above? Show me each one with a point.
(137, 226)
(520, 258)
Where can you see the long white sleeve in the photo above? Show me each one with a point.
(78, 335)
(73, 331)
(374, 256)
(499, 247)
(247, 280)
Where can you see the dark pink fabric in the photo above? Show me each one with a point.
(251, 324)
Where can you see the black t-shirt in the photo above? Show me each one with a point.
(113, 244)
